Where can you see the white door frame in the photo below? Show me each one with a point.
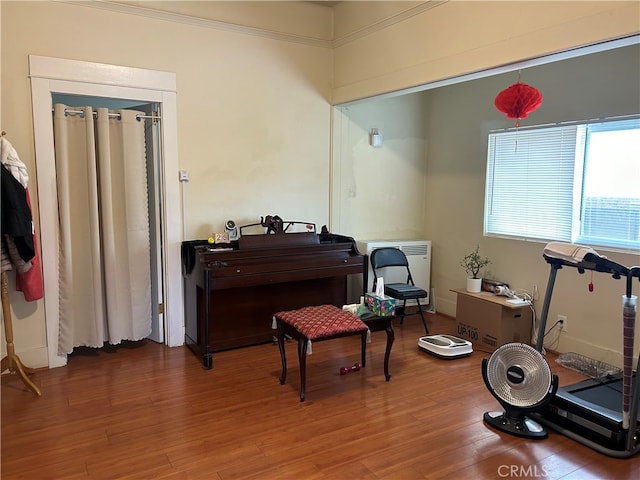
(54, 75)
(153, 136)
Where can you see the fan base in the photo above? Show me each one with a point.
(521, 427)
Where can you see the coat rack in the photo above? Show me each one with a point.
(11, 361)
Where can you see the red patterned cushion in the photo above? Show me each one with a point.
(322, 321)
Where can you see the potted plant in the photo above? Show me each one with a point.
(473, 263)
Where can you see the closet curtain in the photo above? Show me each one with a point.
(104, 246)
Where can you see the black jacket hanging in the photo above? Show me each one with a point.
(16, 215)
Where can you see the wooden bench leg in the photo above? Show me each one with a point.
(387, 353)
(283, 357)
(302, 359)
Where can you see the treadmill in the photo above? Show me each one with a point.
(601, 413)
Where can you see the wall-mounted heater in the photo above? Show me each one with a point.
(418, 254)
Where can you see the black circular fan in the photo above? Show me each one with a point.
(520, 379)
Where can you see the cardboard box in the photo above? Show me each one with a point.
(381, 306)
(489, 321)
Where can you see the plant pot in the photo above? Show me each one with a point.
(474, 285)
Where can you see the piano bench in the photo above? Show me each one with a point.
(314, 324)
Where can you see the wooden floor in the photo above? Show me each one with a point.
(152, 412)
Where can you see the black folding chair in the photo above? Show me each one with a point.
(394, 257)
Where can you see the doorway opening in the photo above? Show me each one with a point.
(153, 90)
(153, 152)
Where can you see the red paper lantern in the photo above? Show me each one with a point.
(518, 100)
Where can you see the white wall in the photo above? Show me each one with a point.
(253, 115)
(438, 40)
(380, 192)
(442, 135)
(460, 117)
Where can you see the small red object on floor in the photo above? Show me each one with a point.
(354, 368)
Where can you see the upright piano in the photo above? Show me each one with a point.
(231, 294)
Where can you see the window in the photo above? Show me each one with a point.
(577, 183)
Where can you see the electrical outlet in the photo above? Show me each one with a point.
(562, 322)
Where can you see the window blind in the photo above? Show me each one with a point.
(530, 180)
(575, 182)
